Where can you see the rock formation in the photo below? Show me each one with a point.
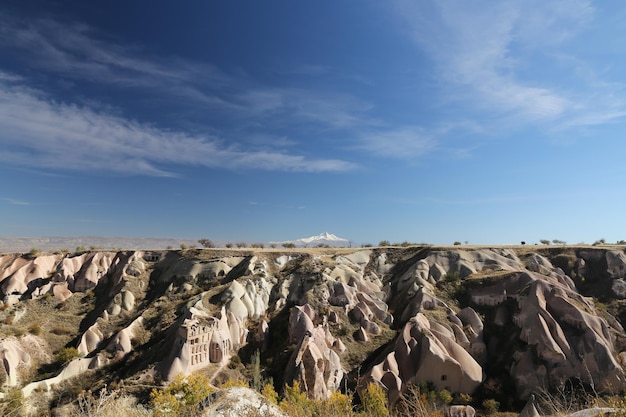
(315, 364)
(451, 317)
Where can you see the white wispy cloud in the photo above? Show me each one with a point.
(38, 131)
(17, 202)
(77, 50)
(484, 51)
(399, 143)
(329, 110)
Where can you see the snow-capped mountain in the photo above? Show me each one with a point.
(322, 239)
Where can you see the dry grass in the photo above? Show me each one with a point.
(108, 403)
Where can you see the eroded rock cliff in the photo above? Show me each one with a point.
(465, 320)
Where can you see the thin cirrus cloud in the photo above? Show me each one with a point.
(401, 143)
(326, 110)
(482, 49)
(72, 49)
(17, 202)
(37, 131)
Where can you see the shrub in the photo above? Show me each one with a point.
(270, 393)
(242, 245)
(236, 382)
(445, 396)
(12, 403)
(183, 246)
(182, 396)
(108, 404)
(490, 406)
(289, 245)
(256, 382)
(295, 402)
(337, 405)
(234, 362)
(544, 241)
(207, 243)
(60, 331)
(457, 243)
(417, 402)
(374, 401)
(65, 355)
(383, 243)
(229, 245)
(35, 329)
(453, 277)
(34, 252)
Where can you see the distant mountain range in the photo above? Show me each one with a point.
(321, 239)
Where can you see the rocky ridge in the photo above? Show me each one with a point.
(482, 321)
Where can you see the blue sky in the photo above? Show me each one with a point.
(427, 121)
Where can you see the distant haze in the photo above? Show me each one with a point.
(25, 244)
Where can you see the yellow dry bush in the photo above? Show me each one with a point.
(295, 402)
(337, 405)
(374, 401)
(235, 383)
(270, 393)
(181, 396)
(12, 404)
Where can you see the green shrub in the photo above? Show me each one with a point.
(490, 406)
(445, 396)
(65, 355)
